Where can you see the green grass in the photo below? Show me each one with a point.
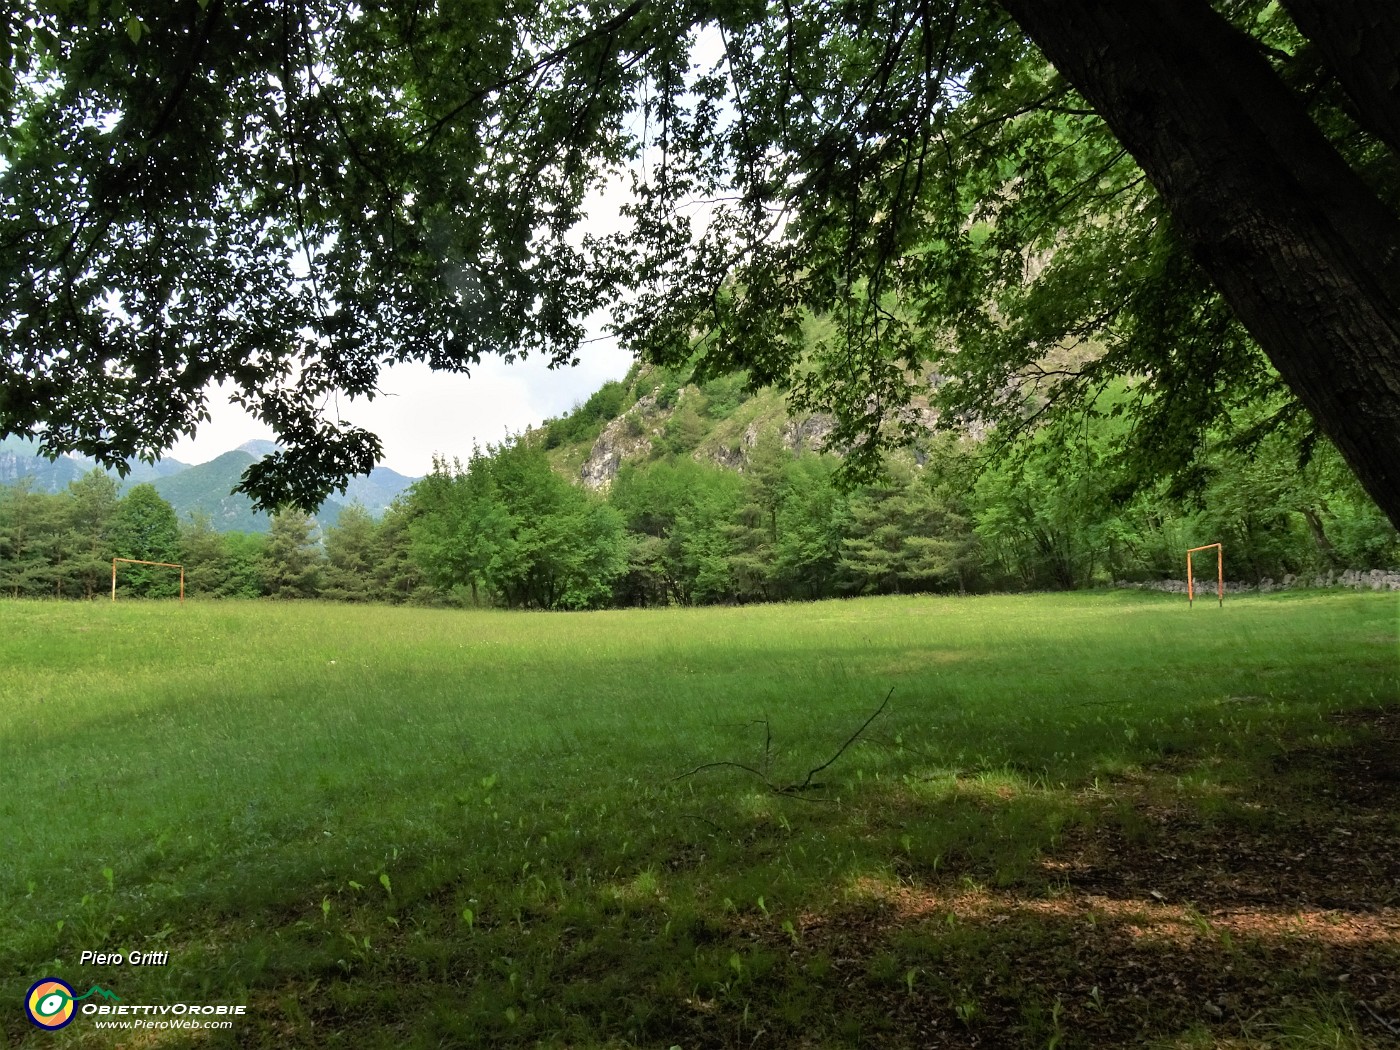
(420, 827)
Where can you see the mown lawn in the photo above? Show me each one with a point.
(1080, 820)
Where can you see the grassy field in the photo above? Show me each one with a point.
(1080, 820)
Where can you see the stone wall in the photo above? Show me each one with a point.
(1356, 579)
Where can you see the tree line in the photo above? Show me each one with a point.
(506, 529)
(61, 545)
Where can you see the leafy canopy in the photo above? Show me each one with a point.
(287, 196)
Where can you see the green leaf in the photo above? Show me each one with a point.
(134, 29)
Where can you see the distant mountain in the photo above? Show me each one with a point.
(208, 488)
(377, 490)
(259, 448)
(374, 492)
(20, 458)
(204, 488)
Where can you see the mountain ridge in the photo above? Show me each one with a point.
(195, 488)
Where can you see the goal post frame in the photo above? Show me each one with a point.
(138, 561)
(1219, 574)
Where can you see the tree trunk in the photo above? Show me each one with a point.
(1359, 43)
(1303, 251)
(1324, 545)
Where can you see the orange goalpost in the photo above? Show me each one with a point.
(1219, 574)
(138, 561)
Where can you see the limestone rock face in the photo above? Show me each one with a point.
(628, 435)
(635, 433)
(808, 434)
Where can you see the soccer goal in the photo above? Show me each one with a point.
(138, 561)
(1219, 574)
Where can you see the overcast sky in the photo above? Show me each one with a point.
(422, 412)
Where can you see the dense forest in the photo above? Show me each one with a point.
(720, 501)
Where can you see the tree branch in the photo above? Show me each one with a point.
(841, 750)
(602, 29)
(795, 789)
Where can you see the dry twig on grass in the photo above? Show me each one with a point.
(806, 784)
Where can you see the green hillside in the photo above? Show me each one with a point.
(654, 413)
(721, 499)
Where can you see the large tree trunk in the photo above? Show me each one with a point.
(1359, 43)
(1300, 247)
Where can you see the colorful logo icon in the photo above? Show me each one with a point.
(49, 1003)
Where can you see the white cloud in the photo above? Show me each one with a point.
(422, 412)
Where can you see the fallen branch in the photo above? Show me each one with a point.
(875, 714)
(767, 743)
(1387, 1025)
(736, 765)
(806, 784)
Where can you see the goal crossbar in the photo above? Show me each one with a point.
(138, 561)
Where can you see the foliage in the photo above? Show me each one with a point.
(1064, 510)
(587, 420)
(146, 528)
(1044, 518)
(902, 537)
(811, 525)
(291, 557)
(724, 394)
(685, 427)
(83, 544)
(507, 526)
(245, 565)
(288, 197)
(203, 552)
(396, 576)
(351, 554)
(458, 526)
(27, 526)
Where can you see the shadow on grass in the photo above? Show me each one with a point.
(1182, 905)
